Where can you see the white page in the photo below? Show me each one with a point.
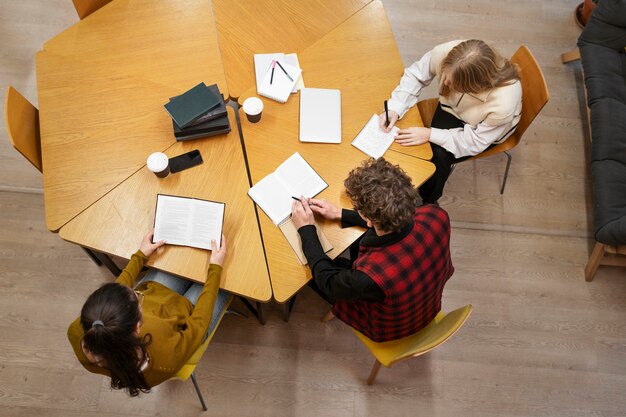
(373, 141)
(320, 115)
(299, 177)
(292, 59)
(262, 62)
(172, 220)
(207, 219)
(278, 86)
(273, 198)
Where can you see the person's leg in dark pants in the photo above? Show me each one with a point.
(432, 189)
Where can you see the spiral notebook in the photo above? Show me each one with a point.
(278, 84)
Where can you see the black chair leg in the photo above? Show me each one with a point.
(506, 171)
(195, 385)
(92, 255)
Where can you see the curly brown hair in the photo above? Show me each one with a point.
(383, 193)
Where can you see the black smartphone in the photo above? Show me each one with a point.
(186, 160)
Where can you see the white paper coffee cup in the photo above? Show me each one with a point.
(253, 108)
(159, 163)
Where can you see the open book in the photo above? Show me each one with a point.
(373, 141)
(293, 178)
(293, 237)
(188, 221)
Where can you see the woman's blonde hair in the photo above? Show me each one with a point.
(474, 67)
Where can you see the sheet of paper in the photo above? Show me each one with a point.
(273, 198)
(373, 141)
(262, 63)
(299, 177)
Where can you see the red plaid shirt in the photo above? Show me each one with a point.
(411, 273)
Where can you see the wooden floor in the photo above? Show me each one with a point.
(541, 341)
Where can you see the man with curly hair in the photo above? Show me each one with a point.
(392, 287)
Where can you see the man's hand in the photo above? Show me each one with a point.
(301, 214)
(147, 247)
(382, 120)
(413, 136)
(326, 209)
(218, 255)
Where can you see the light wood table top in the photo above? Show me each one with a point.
(264, 26)
(365, 76)
(116, 223)
(102, 84)
(169, 42)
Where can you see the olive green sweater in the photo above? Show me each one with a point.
(177, 328)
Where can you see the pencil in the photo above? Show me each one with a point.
(272, 76)
(286, 73)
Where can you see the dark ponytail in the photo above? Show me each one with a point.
(109, 318)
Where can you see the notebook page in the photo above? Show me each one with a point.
(299, 177)
(172, 220)
(278, 86)
(207, 220)
(373, 141)
(273, 198)
(262, 63)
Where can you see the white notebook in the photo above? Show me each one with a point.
(278, 81)
(263, 62)
(320, 115)
(373, 141)
(188, 221)
(293, 178)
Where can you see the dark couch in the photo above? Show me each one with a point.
(603, 57)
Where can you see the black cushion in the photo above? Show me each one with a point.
(607, 25)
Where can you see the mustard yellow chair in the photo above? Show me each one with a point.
(534, 97)
(188, 369)
(435, 334)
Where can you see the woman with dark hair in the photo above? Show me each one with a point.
(141, 334)
(480, 104)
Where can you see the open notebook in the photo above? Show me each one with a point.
(373, 141)
(293, 237)
(293, 178)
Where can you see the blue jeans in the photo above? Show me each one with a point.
(189, 290)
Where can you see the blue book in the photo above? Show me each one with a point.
(191, 105)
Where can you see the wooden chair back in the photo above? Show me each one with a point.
(86, 7)
(534, 96)
(22, 123)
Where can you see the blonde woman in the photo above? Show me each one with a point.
(480, 104)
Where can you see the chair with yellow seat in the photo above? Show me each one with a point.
(86, 7)
(435, 334)
(534, 96)
(188, 369)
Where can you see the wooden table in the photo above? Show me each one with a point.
(246, 27)
(365, 76)
(116, 223)
(102, 84)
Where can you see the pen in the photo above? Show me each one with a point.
(287, 74)
(386, 114)
(295, 198)
(272, 76)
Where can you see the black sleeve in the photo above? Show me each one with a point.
(351, 218)
(335, 282)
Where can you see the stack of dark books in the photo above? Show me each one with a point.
(198, 113)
